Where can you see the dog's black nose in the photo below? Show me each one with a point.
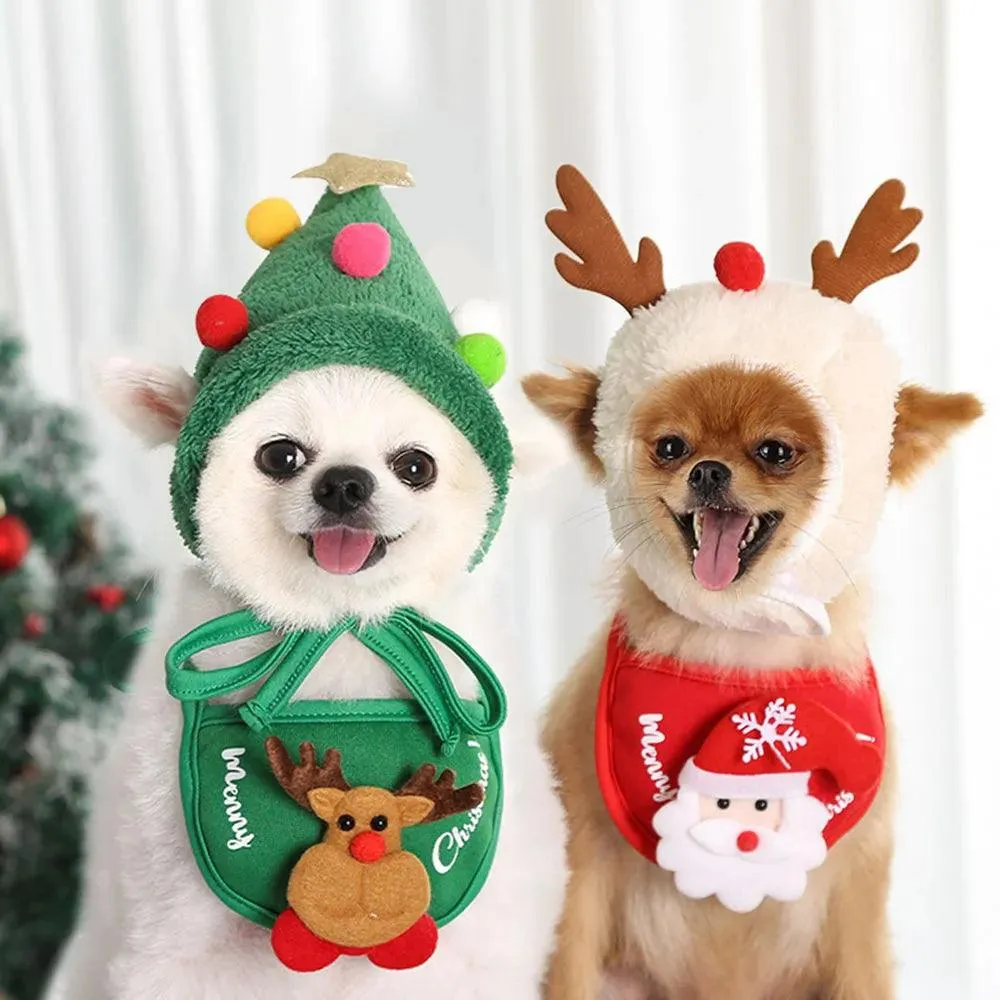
(709, 478)
(344, 488)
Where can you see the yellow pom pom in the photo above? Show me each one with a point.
(270, 221)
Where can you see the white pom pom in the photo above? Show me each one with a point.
(478, 316)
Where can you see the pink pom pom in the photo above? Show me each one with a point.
(362, 249)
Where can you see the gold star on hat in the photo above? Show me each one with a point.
(345, 172)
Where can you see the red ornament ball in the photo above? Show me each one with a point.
(107, 596)
(222, 322)
(15, 540)
(739, 267)
(362, 249)
(34, 625)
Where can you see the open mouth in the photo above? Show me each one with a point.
(344, 551)
(725, 542)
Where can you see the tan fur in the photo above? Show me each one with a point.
(925, 422)
(570, 401)
(622, 909)
(622, 912)
(724, 412)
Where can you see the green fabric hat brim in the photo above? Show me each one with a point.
(367, 336)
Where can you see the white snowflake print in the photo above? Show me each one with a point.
(777, 731)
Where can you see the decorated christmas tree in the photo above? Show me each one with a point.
(70, 605)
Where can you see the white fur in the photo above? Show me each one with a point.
(839, 358)
(123, 384)
(250, 525)
(150, 927)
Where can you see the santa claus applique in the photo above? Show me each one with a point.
(753, 807)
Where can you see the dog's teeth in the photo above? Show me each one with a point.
(751, 531)
(743, 544)
(695, 552)
(754, 523)
(699, 516)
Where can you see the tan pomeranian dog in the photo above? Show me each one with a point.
(722, 749)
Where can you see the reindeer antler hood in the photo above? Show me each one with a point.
(834, 352)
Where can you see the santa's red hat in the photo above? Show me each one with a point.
(770, 748)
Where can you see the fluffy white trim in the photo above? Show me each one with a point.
(780, 785)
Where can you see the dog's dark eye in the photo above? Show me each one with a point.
(760, 805)
(414, 467)
(346, 823)
(379, 823)
(280, 459)
(670, 448)
(775, 452)
(723, 803)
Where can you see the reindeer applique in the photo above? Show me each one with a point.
(358, 892)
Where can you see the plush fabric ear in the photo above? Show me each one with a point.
(925, 423)
(413, 809)
(151, 400)
(325, 802)
(570, 401)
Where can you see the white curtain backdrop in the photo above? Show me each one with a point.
(134, 134)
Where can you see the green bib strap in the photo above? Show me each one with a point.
(188, 684)
(400, 641)
(421, 677)
(304, 650)
(493, 693)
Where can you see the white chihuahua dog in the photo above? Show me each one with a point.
(340, 465)
(150, 928)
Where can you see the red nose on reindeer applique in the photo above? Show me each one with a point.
(358, 892)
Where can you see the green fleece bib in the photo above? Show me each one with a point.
(247, 833)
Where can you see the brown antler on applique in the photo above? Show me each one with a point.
(300, 779)
(605, 265)
(447, 799)
(870, 252)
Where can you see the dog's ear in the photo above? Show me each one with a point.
(570, 401)
(151, 400)
(925, 423)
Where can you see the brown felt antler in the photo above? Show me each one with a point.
(300, 779)
(447, 799)
(605, 265)
(870, 252)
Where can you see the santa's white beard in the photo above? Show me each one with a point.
(705, 860)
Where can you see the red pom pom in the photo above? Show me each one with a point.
(34, 625)
(297, 948)
(410, 949)
(15, 540)
(107, 596)
(739, 267)
(222, 322)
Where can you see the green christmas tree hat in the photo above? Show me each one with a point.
(345, 288)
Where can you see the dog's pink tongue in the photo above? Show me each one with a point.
(718, 558)
(342, 550)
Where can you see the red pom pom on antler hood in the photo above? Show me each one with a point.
(739, 267)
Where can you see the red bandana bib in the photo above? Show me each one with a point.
(739, 786)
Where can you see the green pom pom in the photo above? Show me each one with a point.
(485, 355)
